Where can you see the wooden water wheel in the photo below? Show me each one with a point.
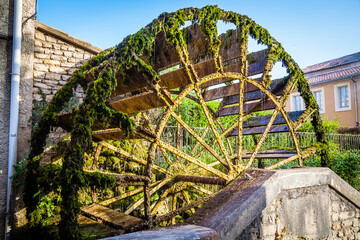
(194, 64)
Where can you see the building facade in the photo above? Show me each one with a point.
(336, 88)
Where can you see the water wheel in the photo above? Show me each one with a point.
(164, 67)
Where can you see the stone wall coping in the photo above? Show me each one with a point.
(249, 206)
(66, 37)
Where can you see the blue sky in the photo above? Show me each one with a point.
(310, 31)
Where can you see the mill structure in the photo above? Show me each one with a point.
(178, 57)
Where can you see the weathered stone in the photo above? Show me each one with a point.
(53, 76)
(56, 69)
(347, 215)
(71, 70)
(50, 39)
(56, 47)
(335, 206)
(39, 35)
(46, 45)
(56, 57)
(41, 67)
(336, 226)
(78, 55)
(65, 64)
(267, 230)
(38, 49)
(39, 74)
(42, 86)
(52, 62)
(42, 56)
(64, 47)
(347, 223)
(68, 54)
(65, 77)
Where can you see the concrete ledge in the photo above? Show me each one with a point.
(235, 207)
(179, 232)
(66, 37)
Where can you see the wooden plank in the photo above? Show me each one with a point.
(252, 96)
(110, 217)
(234, 110)
(232, 90)
(227, 91)
(233, 66)
(259, 130)
(117, 134)
(270, 154)
(66, 122)
(258, 121)
(137, 103)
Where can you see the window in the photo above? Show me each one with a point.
(319, 97)
(342, 97)
(296, 102)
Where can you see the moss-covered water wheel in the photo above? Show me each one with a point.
(159, 67)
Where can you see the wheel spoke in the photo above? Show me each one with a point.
(192, 160)
(133, 157)
(261, 140)
(141, 200)
(199, 139)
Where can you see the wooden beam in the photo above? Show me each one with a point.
(139, 102)
(234, 110)
(259, 130)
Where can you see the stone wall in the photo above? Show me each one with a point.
(5, 69)
(26, 83)
(316, 212)
(56, 56)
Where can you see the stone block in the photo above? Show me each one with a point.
(53, 76)
(65, 77)
(42, 85)
(64, 47)
(335, 206)
(58, 52)
(72, 60)
(267, 230)
(67, 54)
(39, 74)
(56, 46)
(38, 49)
(41, 67)
(71, 70)
(347, 215)
(50, 39)
(65, 64)
(56, 69)
(336, 226)
(87, 56)
(47, 51)
(71, 48)
(334, 217)
(78, 55)
(39, 35)
(56, 57)
(37, 60)
(347, 223)
(42, 56)
(47, 45)
(52, 62)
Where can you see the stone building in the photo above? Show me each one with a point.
(48, 58)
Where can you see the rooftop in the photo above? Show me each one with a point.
(339, 74)
(355, 57)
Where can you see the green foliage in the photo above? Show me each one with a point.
(347, 165)
(329, 126)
